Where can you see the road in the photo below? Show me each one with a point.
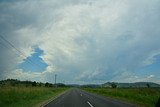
(79, 98)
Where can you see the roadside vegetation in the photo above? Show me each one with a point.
(15, 93)
(143, 97)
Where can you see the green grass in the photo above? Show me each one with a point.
(144, 97)
(26, 96)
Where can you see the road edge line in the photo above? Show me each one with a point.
(52, 99)
(113, 98)
(89, 104)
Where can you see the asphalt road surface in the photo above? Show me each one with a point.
(79, 98)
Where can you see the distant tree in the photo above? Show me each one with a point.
(27, 83)
(13, 83)
(34, 84)
(148, 85)
(50, 85)
(113, 85)
(46, 84)
(40, 84)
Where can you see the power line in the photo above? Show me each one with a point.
(5, 46)
(55, 79)
(31, 62)
(9, 48)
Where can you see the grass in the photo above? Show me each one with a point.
(144, 97)
(26, 96)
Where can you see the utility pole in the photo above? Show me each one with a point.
(55, 79)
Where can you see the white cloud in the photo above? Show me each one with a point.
(150, 76)
(82, 40)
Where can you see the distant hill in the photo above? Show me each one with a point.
(73, 85)
(91, 86)
(136, 84)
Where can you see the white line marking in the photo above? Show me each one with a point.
(54, 98)
(89, 104)
(81, 94)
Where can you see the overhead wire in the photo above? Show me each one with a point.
(20, 52)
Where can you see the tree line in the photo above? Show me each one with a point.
(15, 82)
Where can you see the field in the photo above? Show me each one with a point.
(143, 97)
(26, 96)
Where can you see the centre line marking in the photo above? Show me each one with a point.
(89, 104)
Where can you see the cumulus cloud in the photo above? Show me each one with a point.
(83, 41)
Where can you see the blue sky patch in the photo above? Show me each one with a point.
(152, 68)
(34, 63)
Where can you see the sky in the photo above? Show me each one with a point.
(82, 41)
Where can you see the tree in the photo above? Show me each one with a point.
(34, 84)
(113, 85)
(40, 84)
(50, 85)
(27, 83)
(46, 84)
(148, 85)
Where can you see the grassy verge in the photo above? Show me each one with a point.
(26, 96)
(144, 97)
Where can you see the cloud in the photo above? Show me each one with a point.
(150, 76)
(83, 40)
